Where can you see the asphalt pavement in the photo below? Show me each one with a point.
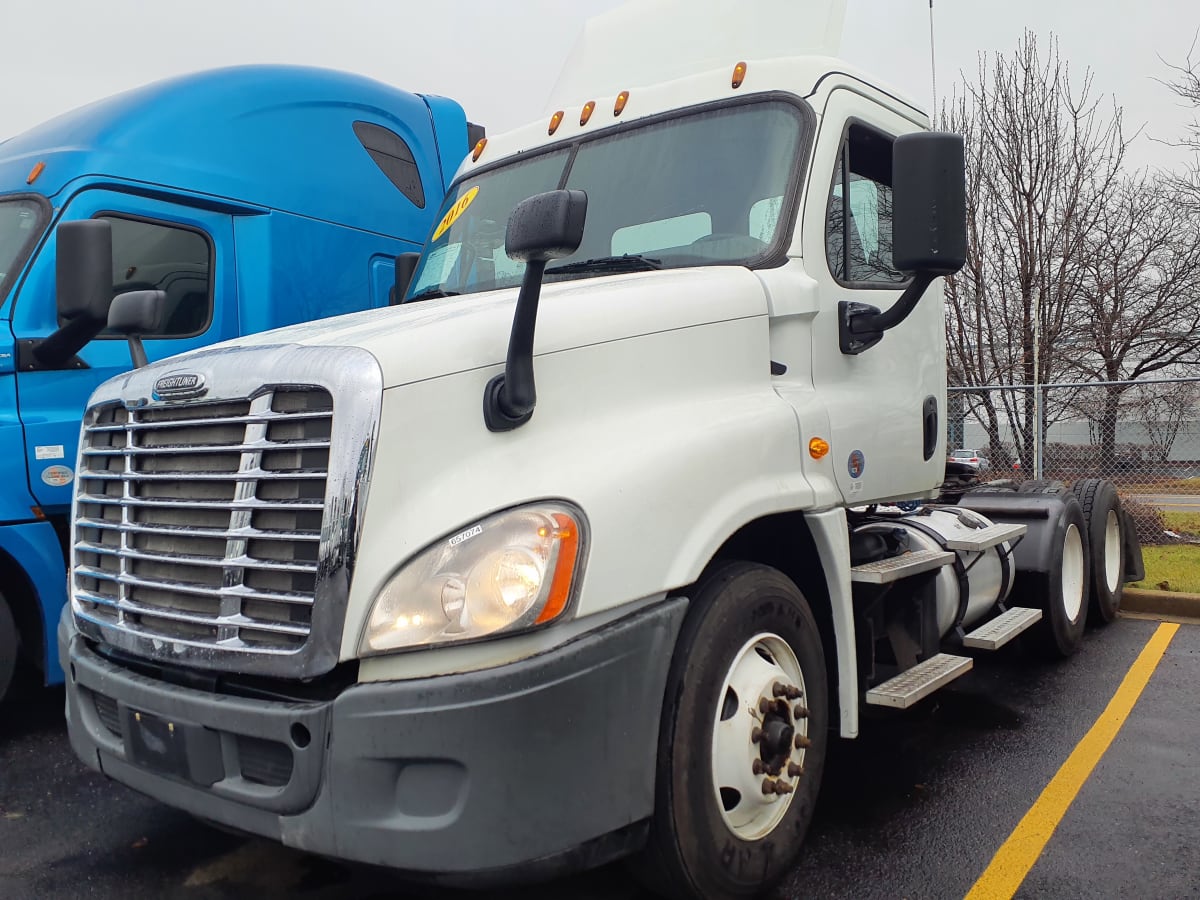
(915, 808)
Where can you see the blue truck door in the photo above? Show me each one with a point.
(184, 251)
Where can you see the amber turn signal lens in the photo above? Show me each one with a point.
(739, 75)
(478, 151)
(588, 109)
(619, 106)
(37, 170)
(564, 570)
(817, 448)
(555, 121)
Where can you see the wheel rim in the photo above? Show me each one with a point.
(1112, 551)
(1072, 573)
(760, 733)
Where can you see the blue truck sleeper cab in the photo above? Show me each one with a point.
(254, 197)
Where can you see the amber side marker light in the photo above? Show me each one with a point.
(478, 151)
(555, 121)
(739, 75)
(619, 106)
(588, 109)
(564, 571)
(817, 448)
(37, 170)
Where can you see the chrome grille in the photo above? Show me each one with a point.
(201, 522)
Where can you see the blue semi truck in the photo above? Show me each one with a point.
(252, 197)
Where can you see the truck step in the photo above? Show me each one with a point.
(885, 571)
(1002, 629)
(920, 681)
(987, 537)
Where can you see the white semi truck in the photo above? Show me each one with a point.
(591, 549)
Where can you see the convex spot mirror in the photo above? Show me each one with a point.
(136, 313)
(929, 211)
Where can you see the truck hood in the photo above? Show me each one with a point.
(424, 340)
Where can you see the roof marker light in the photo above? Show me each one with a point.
(37, 170)
(739, 75)
(619, 106)
(555, 121)
(478, 151)
(588, 108)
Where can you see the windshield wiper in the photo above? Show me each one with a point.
(630, 262)
(431, 294)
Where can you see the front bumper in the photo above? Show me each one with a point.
(521, 767)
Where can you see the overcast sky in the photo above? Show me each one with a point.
(500, 57)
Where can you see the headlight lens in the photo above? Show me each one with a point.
(508, 572)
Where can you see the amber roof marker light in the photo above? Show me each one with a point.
(478, 151)
(588, 109)
(555, 121)
(619, 106)
(37, 170)
(739, 75)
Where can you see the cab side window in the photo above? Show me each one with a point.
(858, 232)
(156, 256)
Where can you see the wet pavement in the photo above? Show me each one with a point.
(915, 808)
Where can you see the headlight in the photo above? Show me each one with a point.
(508, 572)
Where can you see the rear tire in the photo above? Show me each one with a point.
(1061, 592)
(8, 647)
(1102, 512)
(716, 833)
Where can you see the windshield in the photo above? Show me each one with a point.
(702, 188)
(20, 224)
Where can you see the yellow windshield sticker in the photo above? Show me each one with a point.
(455, 211)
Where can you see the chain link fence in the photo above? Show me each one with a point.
(1143, 435)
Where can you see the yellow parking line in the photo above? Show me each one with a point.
(1016, 857)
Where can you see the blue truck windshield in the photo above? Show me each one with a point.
(20, 225)
(703, 188)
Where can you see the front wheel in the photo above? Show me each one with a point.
(743, 738)
(8, 647)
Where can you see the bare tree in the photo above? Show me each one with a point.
(1165, 408)
(1141, 292)
(1041, 158)
(1185, 83)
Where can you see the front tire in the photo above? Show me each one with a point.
(8, 647)
(743, 738)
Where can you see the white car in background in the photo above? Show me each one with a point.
(971, 457)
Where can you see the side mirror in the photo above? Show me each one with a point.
(406, 267)
(929, 231)
(929, 207)
(544, 227)
(83, 287)
(136, 313)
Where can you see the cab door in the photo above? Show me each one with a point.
(882, 402)
(157, 245)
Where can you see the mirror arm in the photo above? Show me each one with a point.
(137, 352)
(861, 326)
(510, 398)
(68, 340)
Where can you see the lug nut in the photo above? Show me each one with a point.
(800, 711)
(802, 742)
(756, 734)
(795, 770)
(779, 689)
(782, 787)
(764, 705)
(757, 767)
(768, 787)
